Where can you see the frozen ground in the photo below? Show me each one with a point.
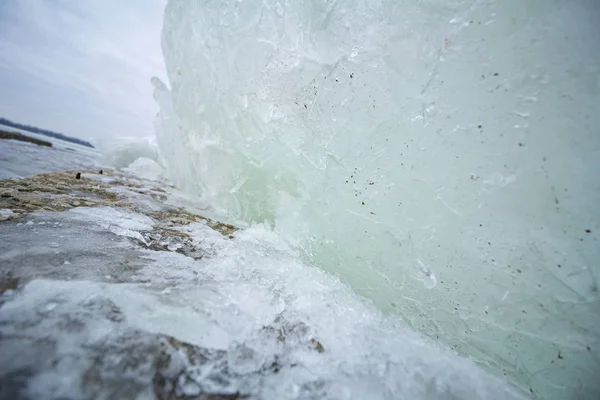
(110, 290)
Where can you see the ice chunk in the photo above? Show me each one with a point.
(400, 147)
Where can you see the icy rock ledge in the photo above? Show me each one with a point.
(80, 346)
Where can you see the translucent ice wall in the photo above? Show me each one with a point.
(440, 156)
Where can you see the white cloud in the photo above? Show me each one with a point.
(81, 67)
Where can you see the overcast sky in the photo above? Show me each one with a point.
(81, 67)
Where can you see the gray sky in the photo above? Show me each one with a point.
(81, 67)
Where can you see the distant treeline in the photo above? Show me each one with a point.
(23, 138)
(46, 132)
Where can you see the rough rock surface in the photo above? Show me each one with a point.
(69, 338)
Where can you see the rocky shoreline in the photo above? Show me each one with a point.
(62, 191)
